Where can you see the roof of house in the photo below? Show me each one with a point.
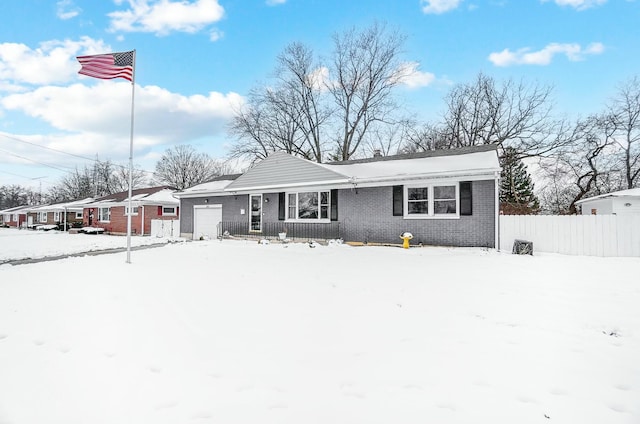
(420, 155)
(467, 161)
(150, 195)
(632, 192)
(215, 185)
(14, 209)
(281, 170)
(73, 206)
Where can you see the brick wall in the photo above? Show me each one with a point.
(118, 221)
(366, 215)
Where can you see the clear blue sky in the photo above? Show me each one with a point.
(197, 58)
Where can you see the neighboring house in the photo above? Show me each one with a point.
(61, 215)
(147, 204)
(14, 217)
(615, 203)
(443, 197)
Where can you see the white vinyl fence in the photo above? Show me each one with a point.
(591, 235)
(165, 228)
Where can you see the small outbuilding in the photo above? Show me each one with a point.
(623, 202)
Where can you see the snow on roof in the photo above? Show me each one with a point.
(162, 196)
(152, 197)
(75, 205)
(216, 186)
(632, 192)
(469, 163)
(14, 209)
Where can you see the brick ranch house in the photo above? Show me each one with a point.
(14, 217)
(67, 214)
(443, 197)
(110, 212)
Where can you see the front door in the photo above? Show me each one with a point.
(255, 202)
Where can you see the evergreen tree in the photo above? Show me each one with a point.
(516, 188)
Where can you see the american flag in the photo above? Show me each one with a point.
(108, 65)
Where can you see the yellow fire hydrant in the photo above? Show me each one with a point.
(405, 239)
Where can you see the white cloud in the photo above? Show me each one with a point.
(65, 9)
(215, 35)
(164, 16)
(578, 4)
(275, 2)
(97, 117)
(439, 6)
(52, 62)
(319, 78)
(412, 77)
(574, 52)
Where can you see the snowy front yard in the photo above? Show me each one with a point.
(237, 332)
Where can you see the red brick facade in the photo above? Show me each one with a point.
(117, 223)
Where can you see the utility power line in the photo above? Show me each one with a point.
(60, 152)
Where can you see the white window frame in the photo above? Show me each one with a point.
(430, 209)
(15, 217)
(101, 215)
(78, 215)
(56, 217)
(319, 219)
(136, 210)
(42, 217)
(165, 213)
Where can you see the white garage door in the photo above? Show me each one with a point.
(205, 221)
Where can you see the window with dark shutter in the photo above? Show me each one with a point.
(334, 205)
(465, 198)
(281, 206)
(398, 201)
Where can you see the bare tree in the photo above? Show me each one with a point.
(487, 112)
(100, 179)
(120, 178)
(582, 167)
(625, 115)
(288, 116)
(17, 195)
(366, 67)
(264, 125)
(303, 79)
(79, 184)
(182, 167)
(321, 111)
(424, 138)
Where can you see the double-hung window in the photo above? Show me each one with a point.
(308, 205)
(432, 201)
(42, 217)
(104, 214)
(56, 216)
(135, 211)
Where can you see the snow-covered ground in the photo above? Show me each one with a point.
(21, 244)
(239, 332)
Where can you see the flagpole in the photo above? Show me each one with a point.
(133, 85)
